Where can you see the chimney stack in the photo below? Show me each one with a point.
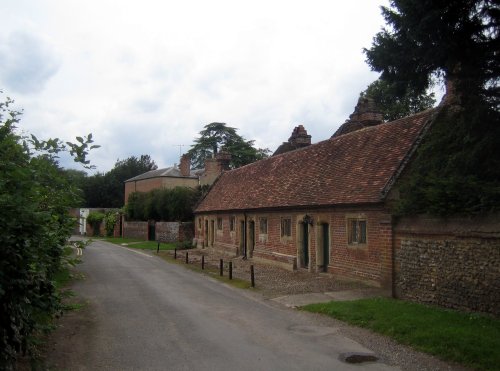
(215, 166)
(185, 165)
(365, 114)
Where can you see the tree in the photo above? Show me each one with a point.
(217, 136)
(108, 189)
(456, 40)
(35, 197)
(456, 168)
(394, 107)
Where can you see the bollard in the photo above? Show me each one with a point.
(252, 276)
(221, 268)
(187, 258)
(203, 262)
(175, 253)
(230, 270)
(158, 248)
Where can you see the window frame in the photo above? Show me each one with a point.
(219, 224)
(232, 223)
(261, 221)
(286, 226)
(357, 231)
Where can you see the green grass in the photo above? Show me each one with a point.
(470, 339)
(140, 244)
(209, 271)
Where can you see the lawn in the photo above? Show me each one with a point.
(140, 244)
(467, 338)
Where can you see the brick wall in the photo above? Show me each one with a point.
(146, 185)
(453, 263)
(370, 262)
(137, 230)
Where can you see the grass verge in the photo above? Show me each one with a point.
(209, 271)
(467, 338)
(140, 244)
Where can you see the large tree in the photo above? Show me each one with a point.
(455, 40)
(457, 167)
(216, 136)
(394, 106)
(108, 189)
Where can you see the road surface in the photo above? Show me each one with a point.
(148, 314)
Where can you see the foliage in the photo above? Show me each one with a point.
(217, 136)
(394, 107)
(162, 204)
(35, 197)
(457, 168)
(107, 189)
(111, 217)
(95, 219)
(455, 40)
(470, 339)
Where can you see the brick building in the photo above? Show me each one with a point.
(322, 207)
(181, 176)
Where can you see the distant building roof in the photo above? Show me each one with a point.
(352, 168)
(171, 172)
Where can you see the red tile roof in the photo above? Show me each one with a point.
(348, 169)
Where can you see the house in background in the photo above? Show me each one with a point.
(322, 207)
(182, 176)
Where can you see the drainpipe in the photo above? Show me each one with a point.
(245, 238)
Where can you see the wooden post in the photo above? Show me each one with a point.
(230, 270)
(203, 262)
(175, 253)
(221, 268)
(187, 258)
(158, 248)
(252, 276)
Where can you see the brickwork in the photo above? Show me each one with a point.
(135, 230)
(454, 264)
(146, 185)
(370, 262)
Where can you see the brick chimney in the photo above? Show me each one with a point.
(299, 137)
(365, 114)
(185, 165)
(215, 166)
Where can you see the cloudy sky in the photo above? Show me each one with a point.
(145, 76)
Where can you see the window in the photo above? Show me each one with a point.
(356, 230)
(286, 227)
(232, 223)
(199, 223)
(219, 224)
(263, 225)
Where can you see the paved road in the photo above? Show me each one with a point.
(152, 315)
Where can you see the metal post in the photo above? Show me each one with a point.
(203, 262)
(221, 267)
(252, 276)
(187, 258)
(230, 270)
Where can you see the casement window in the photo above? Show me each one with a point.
(199, 223)
(263, 225)
(219, 224)
(232, 223)
(286, 227)
(356, 231)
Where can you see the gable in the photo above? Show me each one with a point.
(347, 169)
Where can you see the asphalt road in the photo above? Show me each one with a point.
(148, 314)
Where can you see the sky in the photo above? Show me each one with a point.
(144, 77)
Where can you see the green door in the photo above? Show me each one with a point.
(305, 245)
(326, 247)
